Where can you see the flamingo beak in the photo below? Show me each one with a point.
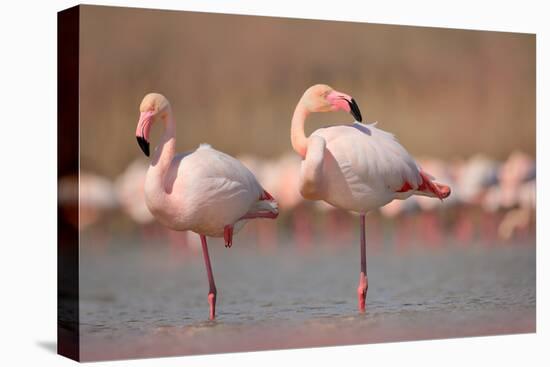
(143, 144)
(142, 131)
(341, 101)
(354, 110)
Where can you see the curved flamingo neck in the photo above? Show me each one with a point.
(297, 135)
(162, 160)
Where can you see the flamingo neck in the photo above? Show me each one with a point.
(161, 162)
(297, 135)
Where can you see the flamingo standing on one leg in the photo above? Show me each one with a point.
(356, 167)
(204, 191)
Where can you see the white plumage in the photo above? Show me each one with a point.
(210, 190)
(363, 167)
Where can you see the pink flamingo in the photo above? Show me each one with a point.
(90, 194)
(355, 167)
(514, 193)
(204, 191)
(129, 187)
(281, 174)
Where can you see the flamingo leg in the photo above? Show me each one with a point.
(212, 290)
(363, 281)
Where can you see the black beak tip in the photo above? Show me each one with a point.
(143, 144)
(354, 110)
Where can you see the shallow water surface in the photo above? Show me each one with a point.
(145, 301)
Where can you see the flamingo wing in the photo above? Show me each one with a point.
(370, 155)
(365, 167)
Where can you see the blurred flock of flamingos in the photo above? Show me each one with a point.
(444, 92)
(493, 202)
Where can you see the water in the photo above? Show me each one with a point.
(145, 301)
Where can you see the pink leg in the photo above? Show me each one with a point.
(228, 235)
(363, 281)
(212, 291)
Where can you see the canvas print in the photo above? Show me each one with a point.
(265, 183)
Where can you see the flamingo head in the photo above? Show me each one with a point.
(152, 106)
(322, 98)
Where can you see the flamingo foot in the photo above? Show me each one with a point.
(212, 303)
(228, 235)
(362, 291)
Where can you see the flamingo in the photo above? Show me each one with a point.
(204, 191)
(91, 194)
(356, 167)
(280, 177)
(129, 187)
(515, 193)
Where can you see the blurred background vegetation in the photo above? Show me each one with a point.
(234, 81)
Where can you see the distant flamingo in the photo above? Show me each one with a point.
(130, 190)
(280, 177)
(204, 191)
(515, 193)
(356, 167)
(89, 194)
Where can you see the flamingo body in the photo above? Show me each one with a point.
(361, 167)
(219, 192)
